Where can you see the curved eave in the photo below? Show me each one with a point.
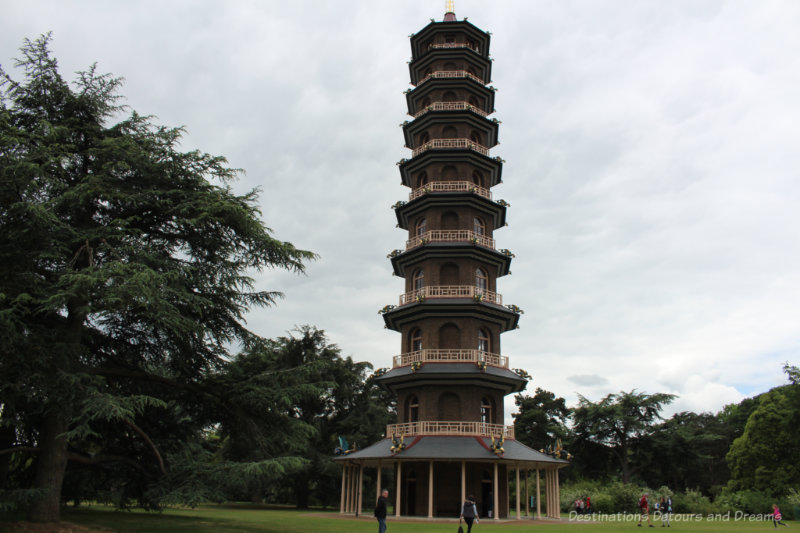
(417, 66)
(488, 208)
(490, 166)
(451, 308)
(403, 262)
(487, 126)
(418, 48)
(480, 91)
(461, 374)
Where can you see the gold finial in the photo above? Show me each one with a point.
(449, 6)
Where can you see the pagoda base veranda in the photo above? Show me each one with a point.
(433, 476)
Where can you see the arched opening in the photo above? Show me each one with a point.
(483, 341)
(475, 137)
(422, 179)
(421, 227)
(477, 178)
(415, 340)
(449, 337)
(478, 226)
(449, 220)
(423, 138)
(412, 409)
(449, 407)
(486, 411)
(449, 274)
(419, 279)
(474, 102)
(449, 173)
(425, 103)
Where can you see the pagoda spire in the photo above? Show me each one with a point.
(449, 11)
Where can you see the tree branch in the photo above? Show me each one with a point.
(149, 442)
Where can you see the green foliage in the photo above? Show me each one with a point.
(125, 274)
(693, 501)
(541, 419)
(618, 421)
(766, 457)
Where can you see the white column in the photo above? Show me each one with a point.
(527, 495)
(430, 489)
(360, 490)
(538, 496)
(397, 496)
(496, 502)
(519, 491)
(463, 482)
(378, 487)
(341, 502)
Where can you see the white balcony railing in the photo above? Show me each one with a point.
(458, 235)
(450, 144)
(450, 356)
(440, 74)
(451, 291)
(477, 429)
(434, 46)
(450, 186)
(451, 106)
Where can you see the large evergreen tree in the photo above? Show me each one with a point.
(125, 269)
(619, 421)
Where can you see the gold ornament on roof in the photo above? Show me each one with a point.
(449, 6)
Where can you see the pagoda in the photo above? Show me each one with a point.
(450, 377)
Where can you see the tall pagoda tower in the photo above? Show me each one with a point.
(450, 377)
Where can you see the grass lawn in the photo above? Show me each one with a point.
(245, 518)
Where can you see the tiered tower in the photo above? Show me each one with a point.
(450, 377)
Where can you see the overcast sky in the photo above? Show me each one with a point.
(651, 151)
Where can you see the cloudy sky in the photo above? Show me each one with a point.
(651, 151)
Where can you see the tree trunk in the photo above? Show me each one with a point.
(301, 490)
(51, 464)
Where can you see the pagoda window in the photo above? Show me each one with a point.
(425, 102)
(477, 178)
(475, 137)
(413, 409)
(449, 38)
(423, 138)
(474, 102)
(422, 226)
(478, 226)
(483, 341)
(481, 280)
(419, 279)
(416, 340)
(422, 179)
(486, 411)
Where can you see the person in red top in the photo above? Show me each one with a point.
(645, 508)
(776, 516)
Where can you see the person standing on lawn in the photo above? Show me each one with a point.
(644, 507)
(469, 512)
(380, 511)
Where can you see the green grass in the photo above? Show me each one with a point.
(244, 518)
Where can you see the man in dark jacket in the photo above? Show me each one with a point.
(380, 511)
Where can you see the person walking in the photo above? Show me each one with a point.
(469, 512)
(776, 516)
(644, 507)
(380, 511)
(666, 509)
